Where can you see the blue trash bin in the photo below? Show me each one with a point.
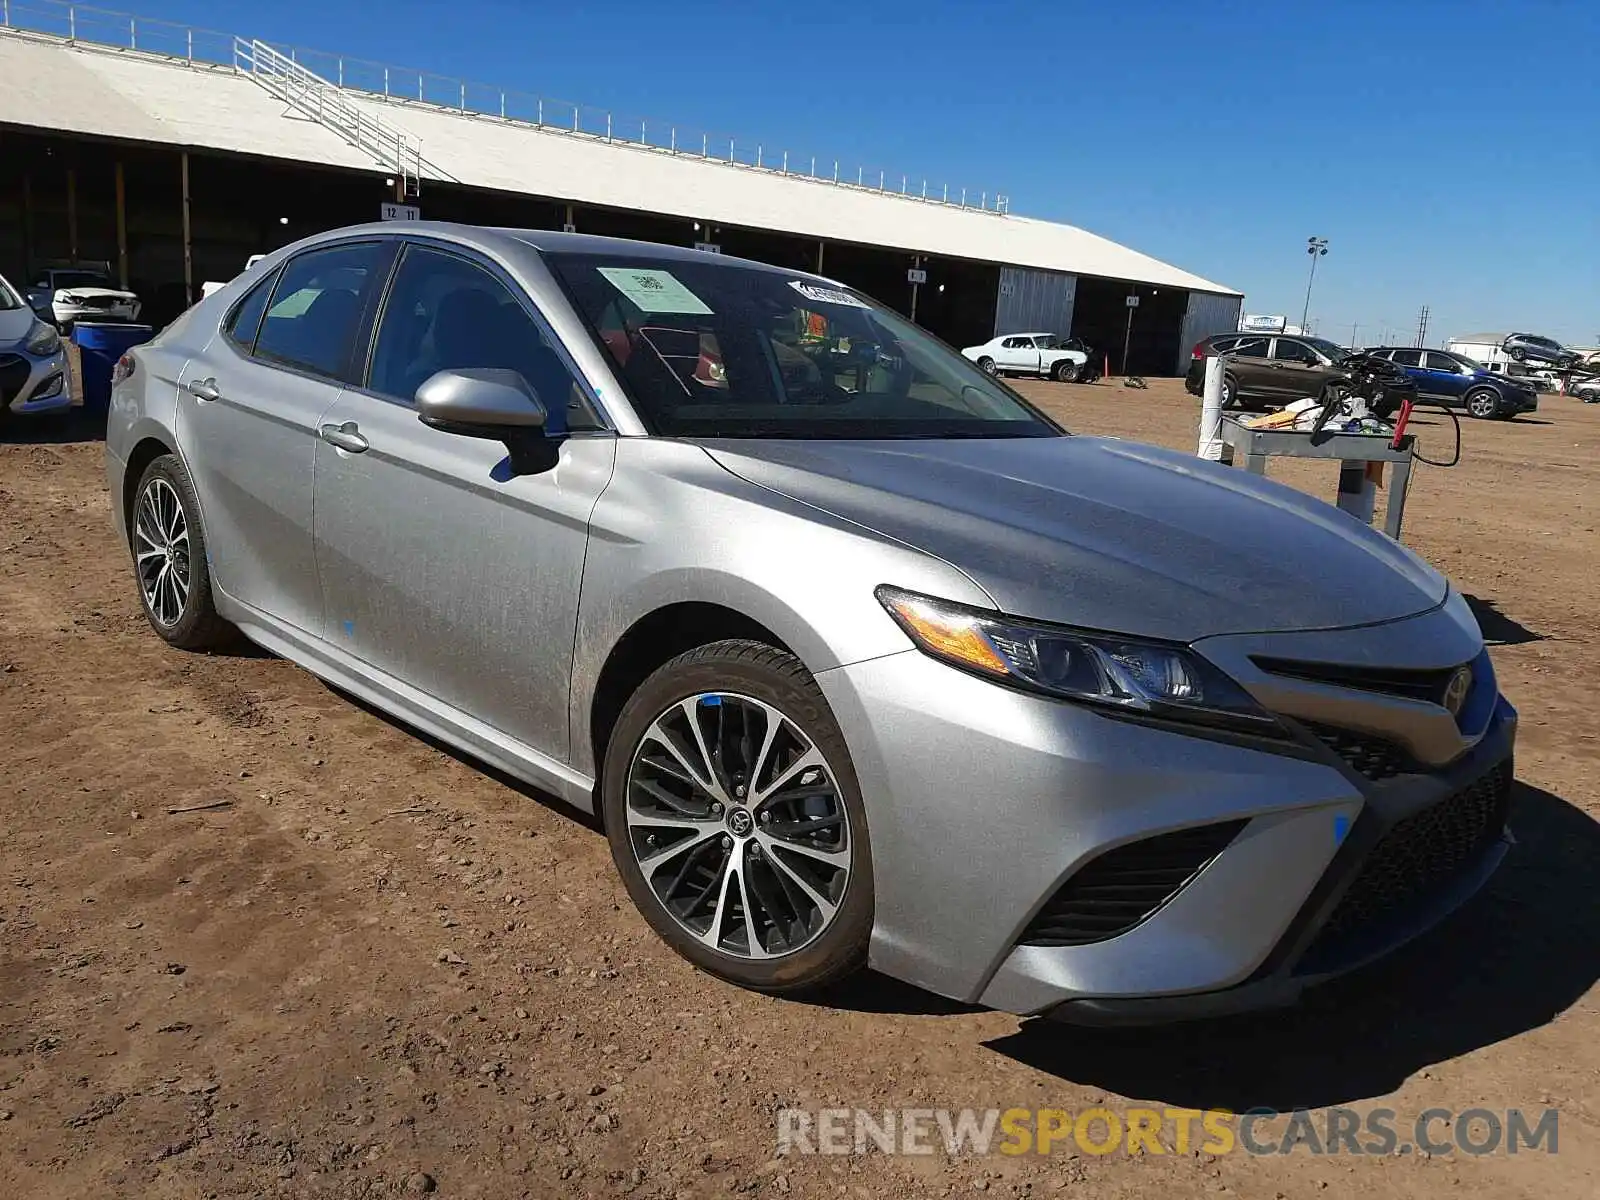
(100, 344)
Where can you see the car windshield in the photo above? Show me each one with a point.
(9, 300)
(70, 279)
(714, 349)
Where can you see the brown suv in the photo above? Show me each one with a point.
(1267, 370)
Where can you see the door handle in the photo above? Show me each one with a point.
(346, 437)
(203, 389)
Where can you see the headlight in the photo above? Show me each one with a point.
(43, 340)
(68, 298)
(1132, 675)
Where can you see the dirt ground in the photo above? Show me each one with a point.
(380, 970)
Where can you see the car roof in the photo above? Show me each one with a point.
(548, 243)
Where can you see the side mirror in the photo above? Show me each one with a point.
(479, 402)
(490, 402)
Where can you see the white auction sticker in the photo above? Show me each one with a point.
(655, 291)
(826, 295)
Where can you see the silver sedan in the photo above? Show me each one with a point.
(859, 658)
(33, 362)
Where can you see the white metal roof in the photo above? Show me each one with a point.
(124, 94)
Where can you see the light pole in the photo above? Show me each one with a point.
(1316, 247)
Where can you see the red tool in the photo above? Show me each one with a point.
(1400, 423)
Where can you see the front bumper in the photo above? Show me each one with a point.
(31, 383)
(120, 311)
(982, 802)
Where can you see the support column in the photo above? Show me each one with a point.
(916, 263)
(821, 246)
(122, 228)
(188, 239)
(72, 213)
(571, 224)
(27, 229)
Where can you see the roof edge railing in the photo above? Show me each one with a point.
(77, 24)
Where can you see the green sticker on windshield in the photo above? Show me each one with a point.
(654, 291)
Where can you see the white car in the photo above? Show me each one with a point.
(1044, 354)
(73, 294)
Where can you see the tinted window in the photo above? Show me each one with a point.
(1253, 347)
(1443, 362)
(245, 319)
(722, 349)
(1288, 351)
(316, 307)
(1223, 345)
(1407, 358)
(446, 313)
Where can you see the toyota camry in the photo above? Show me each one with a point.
(859, 658)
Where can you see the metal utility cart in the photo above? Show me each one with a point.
(1353, 450)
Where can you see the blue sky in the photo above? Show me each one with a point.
(1450, 152)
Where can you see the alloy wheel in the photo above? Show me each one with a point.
(1481, 405)
(736, 821)
(161, 551)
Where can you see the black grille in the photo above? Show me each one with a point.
(14, 372)
(1123, 887)
(1427, 685)
(1374, 757)
(1422, 853)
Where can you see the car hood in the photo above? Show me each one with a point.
(114, 293)
(1107, 534)
(14, 324)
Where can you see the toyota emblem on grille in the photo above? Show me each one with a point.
(1455, 692)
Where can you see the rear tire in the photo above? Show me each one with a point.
(772, 889)
(1483, 404)
(1230, 392)
(986, 365)
(169, 559)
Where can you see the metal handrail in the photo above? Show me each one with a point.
(328, 105)
(79, 23)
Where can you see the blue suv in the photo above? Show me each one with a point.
(1445, 378)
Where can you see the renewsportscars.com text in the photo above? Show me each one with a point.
(1134, 1130)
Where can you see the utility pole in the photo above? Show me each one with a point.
(1316, 247)
(1355, 329)
(1422, 327)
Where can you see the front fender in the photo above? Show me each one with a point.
(673, 527)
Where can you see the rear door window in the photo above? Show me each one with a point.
(1254, 347)
(317, 305)
(244, 322)
(1443, 362)
(1407, 358)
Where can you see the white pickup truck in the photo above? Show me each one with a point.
(1045, 354)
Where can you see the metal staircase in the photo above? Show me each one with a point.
(331, 106)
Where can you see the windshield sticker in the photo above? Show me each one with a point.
(825, 295)
(655, 291)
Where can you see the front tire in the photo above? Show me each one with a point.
(169, 559)
(1064, 371)
(736, 822)
(987, 366)
(1483, 404)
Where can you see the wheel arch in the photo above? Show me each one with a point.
(145, 451)
(653, 639)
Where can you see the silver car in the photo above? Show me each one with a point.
(33, 362)
(859, 658)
